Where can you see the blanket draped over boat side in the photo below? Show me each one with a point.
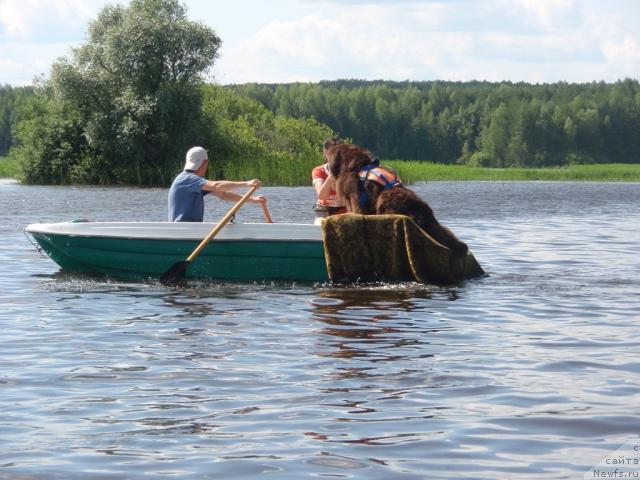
(391, 247)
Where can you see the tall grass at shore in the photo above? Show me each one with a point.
(275, 170)
(8, 167)
(411, 172)
(285, 170)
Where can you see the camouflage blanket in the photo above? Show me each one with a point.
(389, 247)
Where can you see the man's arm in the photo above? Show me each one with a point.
(223, 189)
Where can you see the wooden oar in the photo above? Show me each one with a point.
(267, 215)
(177, 271)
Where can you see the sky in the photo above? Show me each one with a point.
(279, 41)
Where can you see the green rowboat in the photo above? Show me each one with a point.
(345, 248)
(244, 251)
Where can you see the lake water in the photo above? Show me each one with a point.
(532, 372)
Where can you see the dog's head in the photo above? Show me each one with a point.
(346, 157)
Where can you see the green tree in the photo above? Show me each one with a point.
(12, 101)
(134, 91)
(248, 140)
(495, 139)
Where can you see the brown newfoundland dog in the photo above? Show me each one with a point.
(367, 188)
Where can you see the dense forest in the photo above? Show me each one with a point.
(12, 102)
(477, 123)
(473, 123)
(125, 106)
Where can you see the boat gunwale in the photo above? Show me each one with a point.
(248, 232)
(163, 239)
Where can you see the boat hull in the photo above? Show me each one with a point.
(242, 252)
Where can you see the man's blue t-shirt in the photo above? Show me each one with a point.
(186, 198)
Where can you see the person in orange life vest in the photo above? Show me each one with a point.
(327, 202)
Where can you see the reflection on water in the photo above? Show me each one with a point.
(363, 323)
(531, 372)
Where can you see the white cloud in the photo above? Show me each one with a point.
(43, 19)
(34, 33)
(21, 61)
(554, 48)
(289, 51)
(522, 40)
(626, 53)
(311, 40)
(551, 14)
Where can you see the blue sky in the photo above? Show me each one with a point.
(310, 40)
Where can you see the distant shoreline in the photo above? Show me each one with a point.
(413, 172)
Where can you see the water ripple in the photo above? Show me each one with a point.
(531, 372)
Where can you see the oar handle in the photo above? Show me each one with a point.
(221, 223)
(267, 215)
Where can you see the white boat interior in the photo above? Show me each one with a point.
(182, 230)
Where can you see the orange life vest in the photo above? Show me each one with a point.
(384, 176)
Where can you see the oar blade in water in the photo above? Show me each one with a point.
(175, 274)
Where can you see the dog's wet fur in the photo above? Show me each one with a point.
(346, 160)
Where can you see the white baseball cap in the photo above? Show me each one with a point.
(195, 157)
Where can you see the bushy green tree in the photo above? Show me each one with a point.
(132, 93)
(247, 140)
(52, 149)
